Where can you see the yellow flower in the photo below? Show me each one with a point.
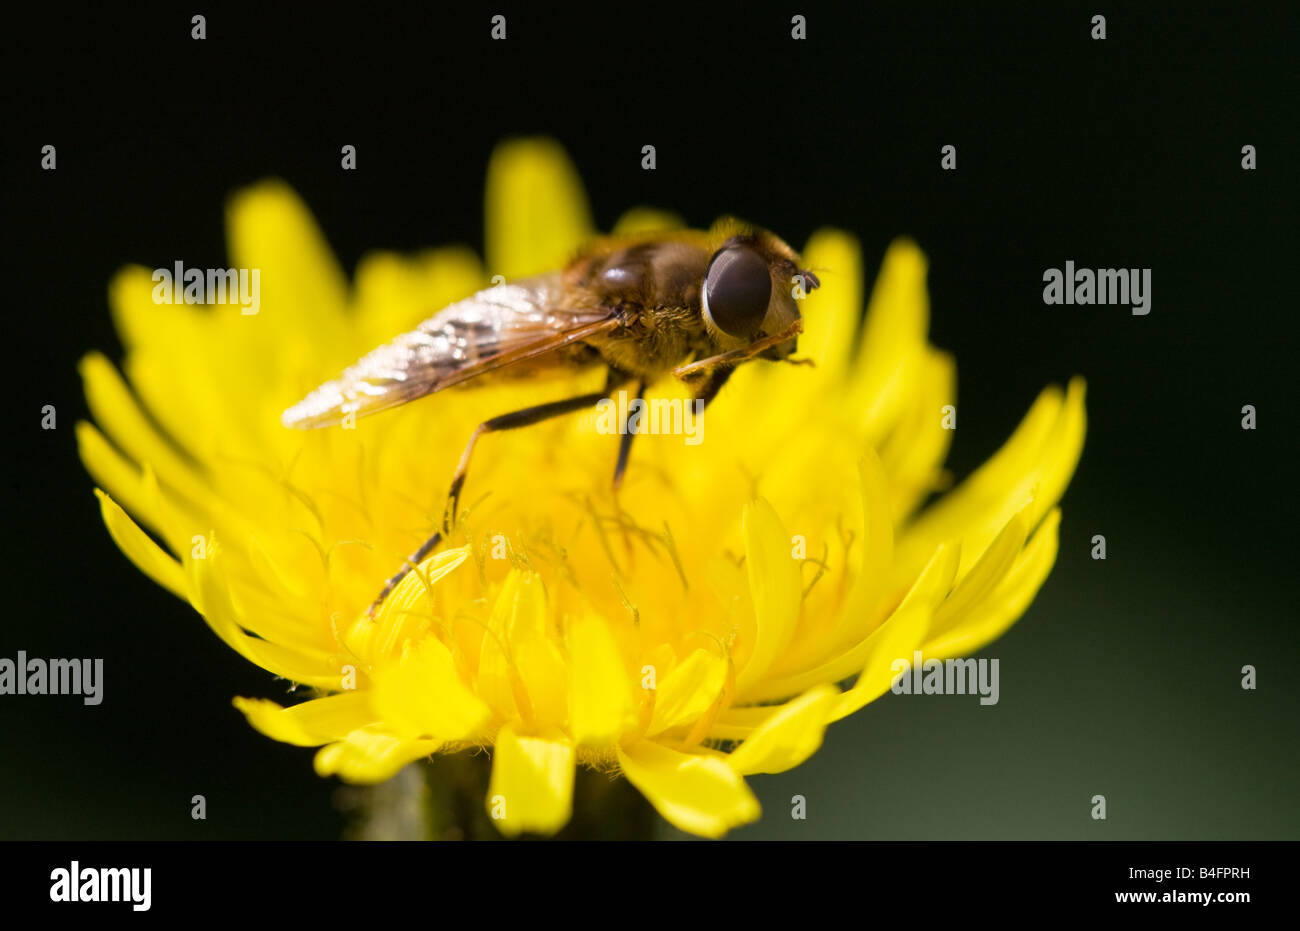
(687, 632)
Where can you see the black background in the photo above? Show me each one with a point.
(1124, 676)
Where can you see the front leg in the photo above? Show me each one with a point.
(705, 388)
(625, 441)
(511, 421)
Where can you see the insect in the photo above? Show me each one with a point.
(691, 304)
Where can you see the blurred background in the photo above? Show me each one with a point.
(1123, 678)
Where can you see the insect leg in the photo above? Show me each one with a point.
(512, 421)
(625, 443)
(712, 384)
(522, 418)
(708, 389)
(737, 356)
(411, 562)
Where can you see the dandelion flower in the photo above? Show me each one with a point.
(705, 623)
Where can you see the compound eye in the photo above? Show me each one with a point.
(737, 288)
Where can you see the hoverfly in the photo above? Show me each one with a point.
(692, 304)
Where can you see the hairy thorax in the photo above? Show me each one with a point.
(654, 286)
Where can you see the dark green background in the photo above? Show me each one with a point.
(1123, 678)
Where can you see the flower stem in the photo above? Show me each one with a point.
(446, 799)
(393, 810)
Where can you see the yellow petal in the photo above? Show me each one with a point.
(893, 338)
(688, 691)
(831, 312)
(696, 793)
(991, 618)
(544, 676)
(119, 416)
(1028, 473)
(311, 723)
(647, 220)
(116, 474)
(210, 595)
(537, 213)
(600, 696)
(519, 610)
(928, 590)
(896, 639)
(303, 290)
(423, 696)
(407, 611)
(136, 317)
(935, 581)
(774, 589)
(498, 682)
(147, 555)
(788, 737)
(983, 577)
(367, 756)
(532, 784)
(877, 551)
(914, 451)
(169, 361)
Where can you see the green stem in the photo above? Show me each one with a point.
(446, 799)
(393, 810)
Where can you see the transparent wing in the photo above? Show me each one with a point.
(497, 327)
